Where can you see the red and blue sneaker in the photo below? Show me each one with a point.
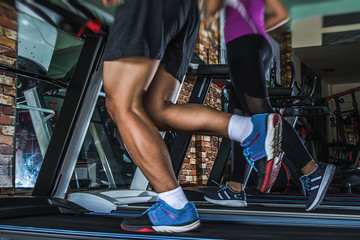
(161, 217)
(263, 146)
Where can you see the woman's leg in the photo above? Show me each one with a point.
(317, 177)
(248, 58)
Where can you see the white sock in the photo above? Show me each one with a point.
(239, 128)
(175, 198)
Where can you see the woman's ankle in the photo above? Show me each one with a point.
(235, 186)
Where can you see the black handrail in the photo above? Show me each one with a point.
(18, 72)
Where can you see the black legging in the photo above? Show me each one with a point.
(249, 57)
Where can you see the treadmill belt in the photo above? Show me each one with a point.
(86, 226)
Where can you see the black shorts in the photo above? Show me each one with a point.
(165, 30)
(249, 57)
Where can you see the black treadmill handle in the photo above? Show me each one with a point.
(217, 71)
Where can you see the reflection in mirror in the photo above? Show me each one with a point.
(49, 53)
(103, 162)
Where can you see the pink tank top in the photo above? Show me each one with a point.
(243, 17)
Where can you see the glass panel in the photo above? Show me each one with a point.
(45, 51)
(103, 162)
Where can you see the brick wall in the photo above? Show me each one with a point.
(202, 150)
(8, 37)
(188, 173)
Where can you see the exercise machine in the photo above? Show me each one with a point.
(48, 214)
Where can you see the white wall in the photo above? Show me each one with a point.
(308, 32)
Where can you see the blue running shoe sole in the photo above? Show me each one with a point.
(273, 151)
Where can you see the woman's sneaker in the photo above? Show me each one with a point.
(161, 217)
(315, 185)
(227, 197)
(265, 141)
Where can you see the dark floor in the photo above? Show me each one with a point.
(95, 225)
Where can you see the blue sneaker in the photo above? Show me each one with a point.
(161, 217)
(315, 185)
(227, 197)
(265, 141)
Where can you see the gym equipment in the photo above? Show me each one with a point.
(46, 214)
(346, 148)
(283, 100)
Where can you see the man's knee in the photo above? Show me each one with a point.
(110, 108)
(153, 109)
(118, 111)
(156, 109)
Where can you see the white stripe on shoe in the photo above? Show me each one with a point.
(227, 195)
(315, 179)
(315, 187)
(220, 196)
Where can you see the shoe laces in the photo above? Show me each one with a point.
(155, 205)
(222, 187)
(305, 184)
(248, 159)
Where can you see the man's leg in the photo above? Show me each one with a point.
(200, 119)
(129, 88)
(192, 118)
(125, 84)
(134, 83)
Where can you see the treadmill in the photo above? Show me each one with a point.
(49, 214)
